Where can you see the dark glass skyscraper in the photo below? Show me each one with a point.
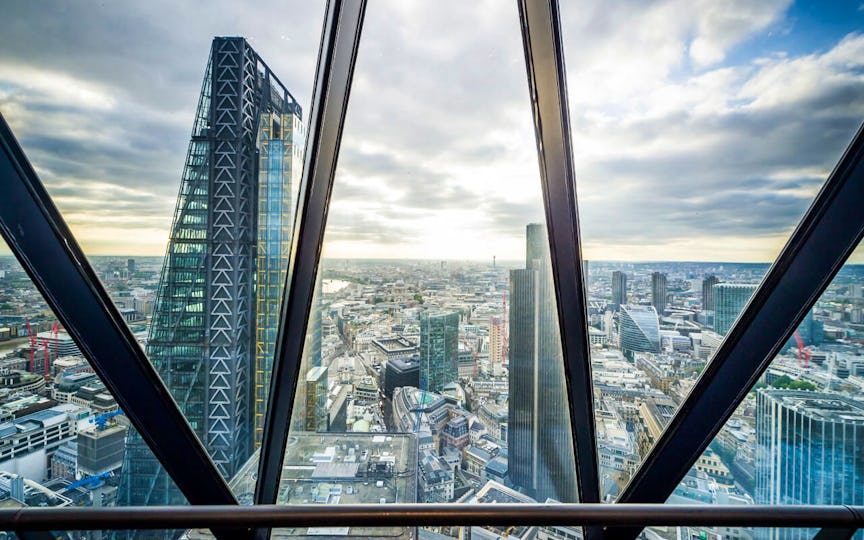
(539, 441)
(619, 289)
(214, 324)
(658, 292)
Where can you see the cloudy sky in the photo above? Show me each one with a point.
(702, 130)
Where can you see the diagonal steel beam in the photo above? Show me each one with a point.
(43, 244)
(339, 41)
(829, 232)
(544, 58)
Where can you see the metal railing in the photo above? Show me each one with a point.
(418, 515)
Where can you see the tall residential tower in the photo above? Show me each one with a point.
(619, 289)
(658, 292)
(214, 324)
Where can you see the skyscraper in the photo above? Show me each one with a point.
(808, 451)
(729, 301)
(708, 292)
(215, 319)
(539, 439)
(619, 289)
(639, 329)
(658, 292)
(316, 400)
(439, 349)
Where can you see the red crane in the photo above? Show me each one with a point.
(32, 345)
(54, 331)
(803, 352)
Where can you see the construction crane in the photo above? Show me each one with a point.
(46, 344)
(89, 482)
(101, 420)
(803, 352)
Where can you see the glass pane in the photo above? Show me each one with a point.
(62, 434)
(798, 436)
(435, 316)
(700, 136)
(103, 110)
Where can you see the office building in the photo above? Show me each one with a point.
(497, 341)
(619, 289)
(541, 455)
(101, 449)
(399, 372)
(130, 266)
(214, 325)
(26, 441)
(658, 292)
(729, 301)
(316, 399)
(808, 451)
(638, 330)
(708, 292)
(439, 349)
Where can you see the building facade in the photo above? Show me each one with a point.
(619, 289)
(639, 330)
(540, 446)
(809, 450)
(708, 292)
(214, 324)
(439, 349)
(316, 399)
(729, 301)
(658, 292)
(400, 372)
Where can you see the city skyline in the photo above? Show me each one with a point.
(713, 87)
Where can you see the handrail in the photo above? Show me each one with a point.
(414, 515)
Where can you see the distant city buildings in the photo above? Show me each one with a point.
(729, 301)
